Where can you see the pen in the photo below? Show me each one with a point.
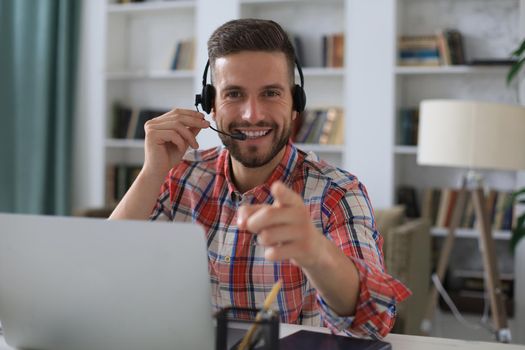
(266, 305)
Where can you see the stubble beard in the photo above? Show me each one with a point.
(251, 157)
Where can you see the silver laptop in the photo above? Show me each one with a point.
(77, 283)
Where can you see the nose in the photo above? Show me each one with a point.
(252, 110)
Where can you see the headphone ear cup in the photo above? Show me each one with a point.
(208, 98)
(299, 98)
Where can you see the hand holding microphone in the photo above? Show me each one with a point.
(169, 136)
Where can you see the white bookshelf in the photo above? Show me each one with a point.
(479, 21)
(139, 39)
(323, 86)
(378, 87)
(490, 29)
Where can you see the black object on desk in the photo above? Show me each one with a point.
(266, 336)
(321, 341)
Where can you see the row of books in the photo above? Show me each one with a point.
(438, 205)
(408, 124)
(332, 54)
(118, 180)
(320, 126)
(183, 55)
(128, 123)
(332, 50)
(444, 48)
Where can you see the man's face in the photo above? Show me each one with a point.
(254, 98)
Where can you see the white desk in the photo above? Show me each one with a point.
(412, 342)
(398, 341)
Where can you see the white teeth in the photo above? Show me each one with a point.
(254, 134)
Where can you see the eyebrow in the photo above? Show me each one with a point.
(274, 86)
(232, 87)
(265, 87)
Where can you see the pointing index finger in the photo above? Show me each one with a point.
(285, 196)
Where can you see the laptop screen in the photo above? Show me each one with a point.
(91, 283)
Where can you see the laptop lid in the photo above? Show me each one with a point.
(79, 283)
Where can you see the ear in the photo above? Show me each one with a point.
(295, 114)
(212, 113)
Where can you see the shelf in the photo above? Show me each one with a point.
(415, 70)
(176, 74)
(153, 6)
(410, 150)
(469, 233)
(323, 72)
(320, 148)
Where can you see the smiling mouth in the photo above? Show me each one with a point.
(255, 134)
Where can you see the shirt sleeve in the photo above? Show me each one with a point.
(352, 228)
(162, 209)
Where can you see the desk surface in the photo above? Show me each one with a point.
(398, 341)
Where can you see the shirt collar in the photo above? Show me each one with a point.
(283, 172)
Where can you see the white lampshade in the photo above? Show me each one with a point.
(472, 135)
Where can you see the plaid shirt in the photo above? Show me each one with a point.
(200, 189)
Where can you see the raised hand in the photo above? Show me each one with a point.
(285, 228)
(168, 138)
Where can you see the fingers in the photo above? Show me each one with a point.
(177, 129)
(285, 196)
(179, 113)
(247, 211)
(277, 235)
(185, 124)
(288, 208)
(166, 136)
(269, 216)
(281, 251)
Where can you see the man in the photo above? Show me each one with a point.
(270, 210)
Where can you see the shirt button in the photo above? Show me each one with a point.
(227, 259)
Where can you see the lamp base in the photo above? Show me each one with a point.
(493, 283)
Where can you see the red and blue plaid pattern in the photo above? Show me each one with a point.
(201, 190)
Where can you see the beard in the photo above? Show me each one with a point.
(253, 156)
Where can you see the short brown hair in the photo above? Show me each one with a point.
(251, 34)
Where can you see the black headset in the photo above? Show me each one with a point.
(207, 97)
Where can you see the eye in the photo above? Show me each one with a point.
(272, 93)
(233, 94)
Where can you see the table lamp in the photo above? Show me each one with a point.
(472, 135)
